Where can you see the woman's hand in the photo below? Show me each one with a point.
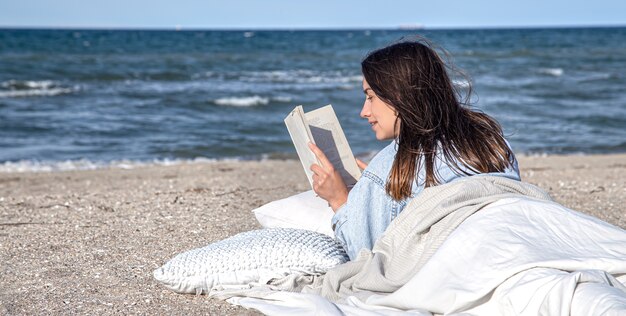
(360, 163)
(327, 181)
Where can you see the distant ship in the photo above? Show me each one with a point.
(411, 27)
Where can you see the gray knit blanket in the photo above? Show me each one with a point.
(407, 244)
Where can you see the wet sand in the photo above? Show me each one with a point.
(86, 242)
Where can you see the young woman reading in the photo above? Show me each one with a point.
(437, 138)
(471, 237)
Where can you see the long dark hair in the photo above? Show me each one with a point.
(412, 78)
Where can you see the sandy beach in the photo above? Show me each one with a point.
(86, 242)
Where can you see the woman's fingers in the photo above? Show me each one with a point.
(327, 182)
(319, 174)
(315, 183)
(321, 157)
(317, 170)
(361, 164)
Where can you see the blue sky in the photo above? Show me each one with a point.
(294, 14)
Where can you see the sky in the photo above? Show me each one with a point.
(309, 14)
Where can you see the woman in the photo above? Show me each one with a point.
(436, 139)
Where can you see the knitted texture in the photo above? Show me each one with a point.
(252, 256)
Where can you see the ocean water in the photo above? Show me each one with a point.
(91, 98)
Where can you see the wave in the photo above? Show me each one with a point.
(21, 85)
(250, 101)
(242, 83)
(285, 76)
(302, 76)
(461, 83)
(243, 101)
(86, 164)
(282, 99)
(577, 76)
(28, 88)
(34, 93)
(595, 77)
(22, 166)
(556, 72)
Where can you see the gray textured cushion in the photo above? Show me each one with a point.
(254, 256)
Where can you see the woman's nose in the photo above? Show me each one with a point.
(365, 111)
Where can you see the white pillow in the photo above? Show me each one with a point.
(303, 211)
(255, 256)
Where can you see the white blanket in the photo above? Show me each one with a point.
(517, 256)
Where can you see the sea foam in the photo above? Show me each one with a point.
(250, 101)
(243, 101)
(29, 88)
(283, 76)
(86, 164)
(556, 72)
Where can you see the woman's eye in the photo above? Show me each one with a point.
(369, 97)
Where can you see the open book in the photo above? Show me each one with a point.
(322, 128)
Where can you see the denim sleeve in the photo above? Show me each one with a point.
(365, 216)
(369, 209)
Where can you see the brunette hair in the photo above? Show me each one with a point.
(432, 116)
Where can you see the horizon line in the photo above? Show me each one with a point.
(407, 27)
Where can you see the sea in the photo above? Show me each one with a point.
(84, 99)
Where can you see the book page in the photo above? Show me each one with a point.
(301, 136)
(329, 137)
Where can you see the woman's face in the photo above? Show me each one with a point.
(380, 115)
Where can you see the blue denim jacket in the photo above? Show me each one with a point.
(369, 209)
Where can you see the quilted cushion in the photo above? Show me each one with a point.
(254, 256)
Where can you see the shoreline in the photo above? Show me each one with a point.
(87, 241)
(84, 164)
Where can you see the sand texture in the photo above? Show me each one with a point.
(86, 242)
